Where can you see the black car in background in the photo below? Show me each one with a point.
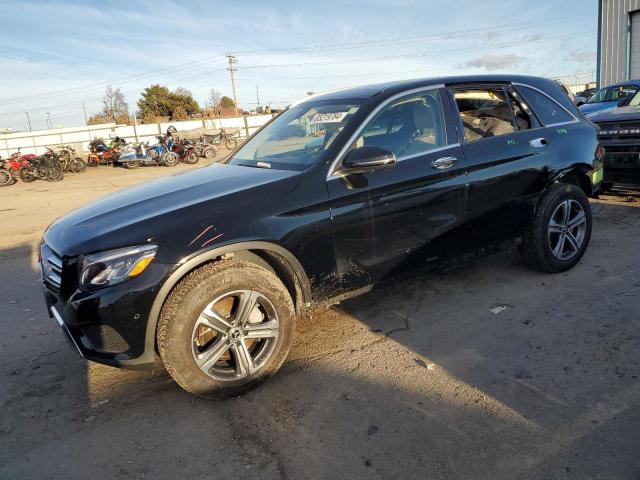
(209, 269)
(620, 136)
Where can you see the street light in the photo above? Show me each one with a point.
(28, 121)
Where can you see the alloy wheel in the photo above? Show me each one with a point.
(235, 335)
(566, 230)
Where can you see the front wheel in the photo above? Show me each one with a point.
(132, 164)
(27, 174)
(6, 178)
(55, 174)
(191, 157)
(560, 231)
(78, 165)
(169, 159)
(225, 328)
(93, 161)
(230, 143)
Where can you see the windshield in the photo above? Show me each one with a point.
(298, 137)
(611, 94)
(635, 101)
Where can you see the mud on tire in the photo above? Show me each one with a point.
(181, 327)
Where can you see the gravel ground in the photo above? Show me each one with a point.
(418, 379)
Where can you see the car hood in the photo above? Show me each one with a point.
(143, 213)
(589, 109)
(621, 114)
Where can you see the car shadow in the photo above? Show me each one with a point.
(419, 378)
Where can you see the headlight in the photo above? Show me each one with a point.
(114, 266)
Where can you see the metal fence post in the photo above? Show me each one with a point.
(246, 126)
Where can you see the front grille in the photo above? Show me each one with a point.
(623, 131)
(51, 265)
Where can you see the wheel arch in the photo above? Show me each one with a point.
(578, 175)
(266, 254)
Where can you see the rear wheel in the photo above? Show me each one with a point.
(560, 231)
(132, 164)
(55, 174)
(93, 161)
(225, 328)
(78, 165)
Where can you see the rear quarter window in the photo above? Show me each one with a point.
(548, 111)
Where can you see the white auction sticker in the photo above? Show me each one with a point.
(330, 117)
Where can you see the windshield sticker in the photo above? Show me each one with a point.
(329, 117)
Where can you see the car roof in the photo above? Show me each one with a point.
(623, 84)
(372, 90)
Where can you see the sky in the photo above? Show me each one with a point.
(58, 55)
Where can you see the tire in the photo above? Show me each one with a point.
(209, 153)
(230, 143)
(132, 164)
(6, 178)
(552, 244)
(169, 159)
(191, 157)
(55, 174)
(180, 324)
(27, 175)
(92, 161)
(78, 165)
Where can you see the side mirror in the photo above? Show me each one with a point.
(367, 160)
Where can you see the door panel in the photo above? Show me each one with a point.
(381, 217)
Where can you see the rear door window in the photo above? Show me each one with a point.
(547, 110)
(485, 112)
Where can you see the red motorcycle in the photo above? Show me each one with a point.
(17, 162)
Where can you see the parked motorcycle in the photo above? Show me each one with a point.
(206, 150)
(17, 162)
(69, 161)
(224, 137)
(103, 154)
(6, 177)
(46, 166)
(186, 150)
(136, 155)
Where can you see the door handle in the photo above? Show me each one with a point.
(539, 142)
(444, 162)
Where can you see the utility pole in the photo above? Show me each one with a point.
(257, 97)
(86, 122)
(48, 120)
(232, 69)
(28, 120)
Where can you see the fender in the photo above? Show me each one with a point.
(579, 168)
(190, 263)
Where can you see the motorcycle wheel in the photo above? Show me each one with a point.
(6, 178)
(27, 174)
(169, 159)
(78, 165)
(132, 165)
(92, 161)
(191, 158)
(55, 174)
(231, 143)
(209, 153)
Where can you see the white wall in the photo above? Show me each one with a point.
(79, 137)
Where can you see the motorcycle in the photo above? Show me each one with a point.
(103, 154)
(158, 154)
(186, 150)
(17, 162)
(206, 150)
(69, 161)
(46, 166)
(225, 137)
(6, 177)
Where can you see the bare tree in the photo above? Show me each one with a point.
(115, 106)
(183, 92)
(214, 99)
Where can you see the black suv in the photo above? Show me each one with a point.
(210, 268)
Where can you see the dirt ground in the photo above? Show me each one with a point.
(418, 379)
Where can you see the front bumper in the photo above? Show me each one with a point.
(109, 325)
(622, 160)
